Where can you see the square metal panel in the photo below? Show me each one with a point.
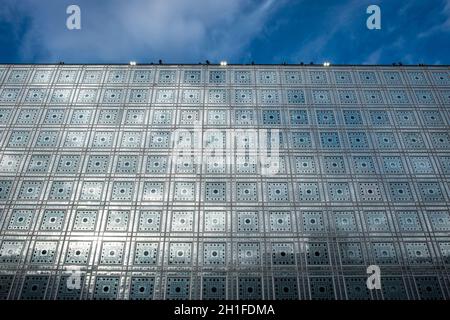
(178, 288)
(34, 287)
(182, 221)
(149, 221)
(85, 220)
(112, 253)
(249, 253)
(250, 288)
(317, 254)
(20, 219)
(376, 221)
(248, 221)
(384, 253)
(145, 253)
(286, 288)
(117, 220)
(180, 253)
(78, 252)
(429, 288)
(215, 221)
(312, 221)
(394, 288)
(68, 288)
(142, 288)
(44, 252)
(53, 220)
(106, 288)
(356, 288)
(321, 288)
(277, 192)
(351, 253)
(214, 288)
(214, 253)
(11, 251)
(283, 254)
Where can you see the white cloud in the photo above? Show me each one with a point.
(174, 30)
(337, 17)
(442, 27)
(374, 57)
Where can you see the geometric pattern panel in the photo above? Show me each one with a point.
(224, 182)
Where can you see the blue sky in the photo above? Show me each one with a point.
(239, 31)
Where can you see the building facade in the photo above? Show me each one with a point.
(224, 182)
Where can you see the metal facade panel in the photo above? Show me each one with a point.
(159, 182)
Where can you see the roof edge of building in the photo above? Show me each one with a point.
(232, 65)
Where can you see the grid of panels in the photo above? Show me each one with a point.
(88, 186)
